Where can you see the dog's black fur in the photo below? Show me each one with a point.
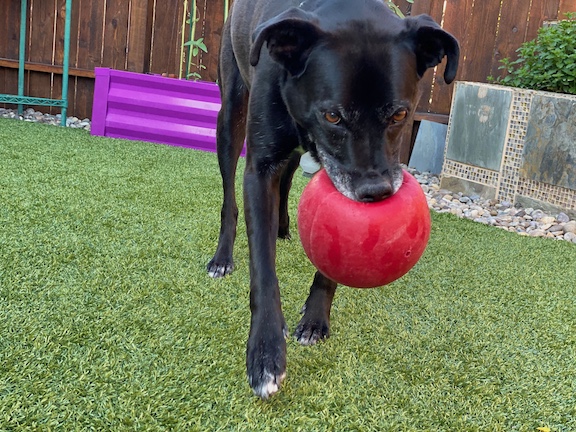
(338, 78)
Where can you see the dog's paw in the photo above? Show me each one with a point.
(266, 363)
(284, 233)
(311, 330)
(267, 384)
(217, 269)
(284, 228)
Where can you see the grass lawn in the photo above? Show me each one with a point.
(108, 321)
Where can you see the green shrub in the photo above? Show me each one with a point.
(545, 63)
(395, 8)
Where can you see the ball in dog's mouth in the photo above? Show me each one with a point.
(363, 245)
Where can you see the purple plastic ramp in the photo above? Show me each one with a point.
(156, 109)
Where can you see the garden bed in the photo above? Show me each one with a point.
(514, 145)
(156, 109)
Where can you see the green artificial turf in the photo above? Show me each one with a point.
(109, 322)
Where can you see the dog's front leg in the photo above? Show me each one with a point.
(266, 350)
(315, 323)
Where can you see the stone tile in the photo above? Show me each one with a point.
(550, 148)
(478, 125)
(428, 152)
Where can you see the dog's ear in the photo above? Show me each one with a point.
(289, 37)
(431, 44)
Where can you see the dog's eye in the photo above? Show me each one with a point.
(399, 116)
(332, 117)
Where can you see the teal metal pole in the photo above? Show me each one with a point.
(22, 52)
(66, 63)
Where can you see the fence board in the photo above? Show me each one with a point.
(73, 90)
(434, 9)
(115, 34)
(422, 7)
(479, 50)
(58, 50)
(90, 35)
(40, 29)
(137, 38)
(82, 97)
(456, 19)
(85, 53)
(512, 32)
(566, 6)
(541, 11)
(9, 46)
(166, 37)
(425, 85)
(212, 32)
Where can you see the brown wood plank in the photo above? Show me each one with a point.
(514, 20)
(441, 92)
(58, 51)
(422, 7)
(213, 24)
(456, 20)
(10, 23)
(137, 35)
(40, 31)
(74, 70)
(115, 35)
(83, 97)
(565, 7)
(74, 33)
(434, 8)
(87, 53)
(148, 35)
(60, 27)
(541, 10)
(40, 48)
(479, 48)
(89, 34)
(166, 37)
(85, 50)
(39, 67)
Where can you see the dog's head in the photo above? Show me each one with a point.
(352, 86)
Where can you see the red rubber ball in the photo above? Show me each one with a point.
(363, 245)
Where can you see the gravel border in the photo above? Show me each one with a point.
(30, 115)
(504, 215)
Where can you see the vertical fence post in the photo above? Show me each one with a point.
(66, 63)
(22, 52)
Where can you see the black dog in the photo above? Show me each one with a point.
(338, 78)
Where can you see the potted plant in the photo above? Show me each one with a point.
(515, 139)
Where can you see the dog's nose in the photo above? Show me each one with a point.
(374, 190)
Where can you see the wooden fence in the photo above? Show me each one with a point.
(134, 35)
(146, 36)
(488, 31)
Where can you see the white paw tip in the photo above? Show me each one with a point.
(270, 386)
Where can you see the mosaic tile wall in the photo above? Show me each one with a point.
(536, 158)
